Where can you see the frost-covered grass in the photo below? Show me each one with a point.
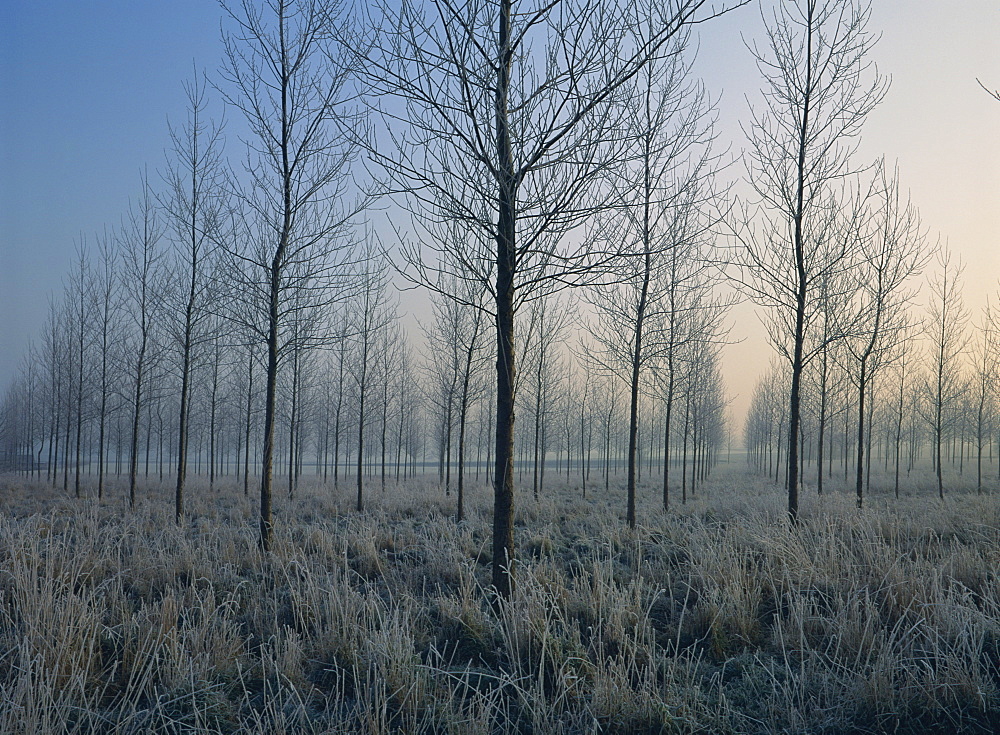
(717, 617)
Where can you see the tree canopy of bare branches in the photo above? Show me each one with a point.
(508, 116)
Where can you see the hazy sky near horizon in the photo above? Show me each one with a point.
(88, 88)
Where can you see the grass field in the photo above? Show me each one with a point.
(715, 618)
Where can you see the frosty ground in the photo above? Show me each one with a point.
(715, 617)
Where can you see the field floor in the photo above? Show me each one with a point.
(716, 617)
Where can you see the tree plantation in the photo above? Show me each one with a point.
(394, 401)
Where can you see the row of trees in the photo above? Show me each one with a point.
(915, 380)
(535, 148)
(376, 405)
(513, 138)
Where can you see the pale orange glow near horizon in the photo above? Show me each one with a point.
(936, 122)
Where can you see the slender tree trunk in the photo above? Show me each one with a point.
(460, 515)
(213, 405)
(136, 408)
(246, 459)
(979, 453)
(149, 440)
(79, 397)
(822, 423)
(182, 433)
(336, 422)
(538, 413)
(54, 426)
(938, 422)
(792, 474)
(103, 420)
(69, 426)
(684, 449)
(399, 438)
(859, 469)
(291, 423)
(385, 421)
(633, 420)
(362, 390)
(584, 456)
(270, 396)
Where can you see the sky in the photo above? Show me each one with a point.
(87, 90)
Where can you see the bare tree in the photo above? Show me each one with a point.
(663, 191)
(455, 342)
(251, 361)
(892, 251)
(832, 299)
(404, 389)
(108, 297)
(549, 321)
(340, 357)
(947, 340)
(766, 425)
(903, 364)
(304, 327)
(389, 358)
(16, 451)
(216, 365)
(287, 69)
(78, 292)
(442, 366)
(510, 135)
(140, 247)
(707, 404)
(372, 315)
(195, 206)
(820, 86)
(51, 353)
(985, 365)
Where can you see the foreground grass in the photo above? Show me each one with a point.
(716, 618)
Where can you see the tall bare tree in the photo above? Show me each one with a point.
(512, 116)
(549, 323)
(142, 257)
(51, 354)
(195, 207)
(832, 299)
(892, 250)
(947, 339)
(903, 366)
(664, 193)
(78, 297)
(820, 86)
(455, 341)
(287, 68)
(108, 302)
(373, 314)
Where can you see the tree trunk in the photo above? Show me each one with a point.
(246, 459)
(136, 408)
(270, 394)
(503, 482)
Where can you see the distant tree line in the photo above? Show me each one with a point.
(926, 393)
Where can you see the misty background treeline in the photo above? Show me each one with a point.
(554, 181)
(75, 413)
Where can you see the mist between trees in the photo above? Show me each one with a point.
(554, 183)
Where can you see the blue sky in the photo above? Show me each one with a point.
(86, 89)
